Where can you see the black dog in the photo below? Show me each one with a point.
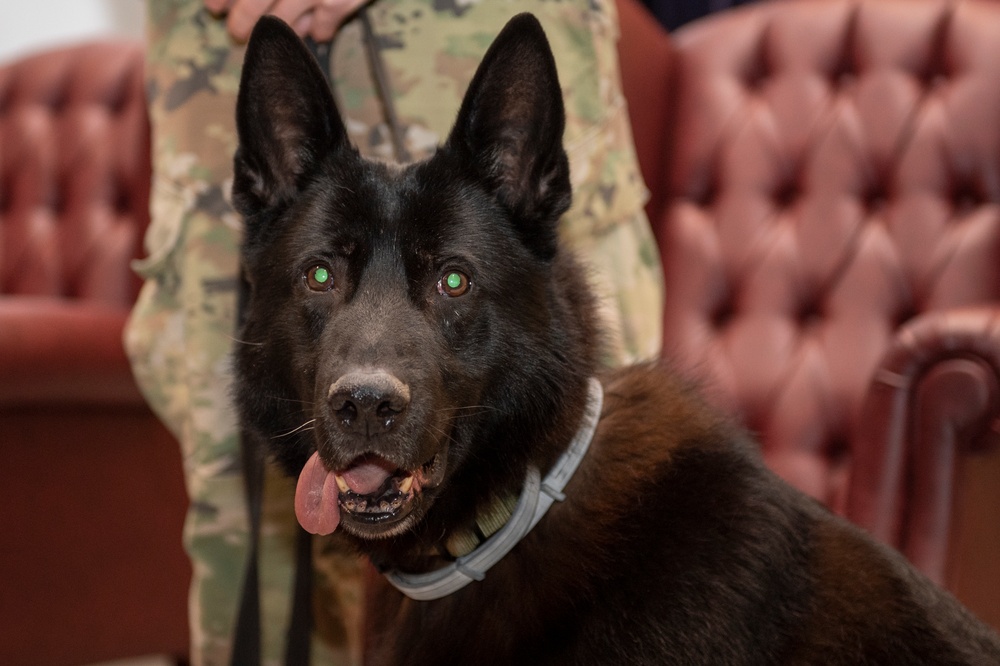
(431, 347)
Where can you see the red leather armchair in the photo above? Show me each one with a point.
(91, 492)
(825, 180)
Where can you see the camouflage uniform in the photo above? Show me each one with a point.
(181, 332)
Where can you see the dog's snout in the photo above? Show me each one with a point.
(368, 403)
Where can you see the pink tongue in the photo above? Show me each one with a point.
(316, 498)
(317, 494)
(368, 476)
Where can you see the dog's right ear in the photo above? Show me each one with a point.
(286, 119)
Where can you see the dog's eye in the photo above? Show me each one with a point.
(318, 278)
(453, 283)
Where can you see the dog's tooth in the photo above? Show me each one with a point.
(406, 484)
(342, 483)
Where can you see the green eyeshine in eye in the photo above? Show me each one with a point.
(321, 275)
(454, 280)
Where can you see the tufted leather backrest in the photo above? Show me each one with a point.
(835, 175)
(74, 173)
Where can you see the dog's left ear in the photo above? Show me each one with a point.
(286, 119)
(510, 126)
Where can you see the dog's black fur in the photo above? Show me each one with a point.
(674, 545)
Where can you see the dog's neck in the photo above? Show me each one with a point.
(501, 525)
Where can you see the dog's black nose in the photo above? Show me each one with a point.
(368, 402)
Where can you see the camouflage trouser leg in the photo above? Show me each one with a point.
(181, 332)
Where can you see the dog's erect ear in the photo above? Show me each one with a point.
(510, 127)
(286, 118)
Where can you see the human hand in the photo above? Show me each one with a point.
(318, 19)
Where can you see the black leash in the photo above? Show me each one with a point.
(246, 637)
(298, 640)
(383, 89)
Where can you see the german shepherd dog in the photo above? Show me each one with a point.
(420, 352)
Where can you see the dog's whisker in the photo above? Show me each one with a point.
(458, 409)
(308, 425)
(294, 401)
(452, 409)
(245, 342)
(435, 430)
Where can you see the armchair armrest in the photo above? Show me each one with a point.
(934, 399)
(56, 351)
